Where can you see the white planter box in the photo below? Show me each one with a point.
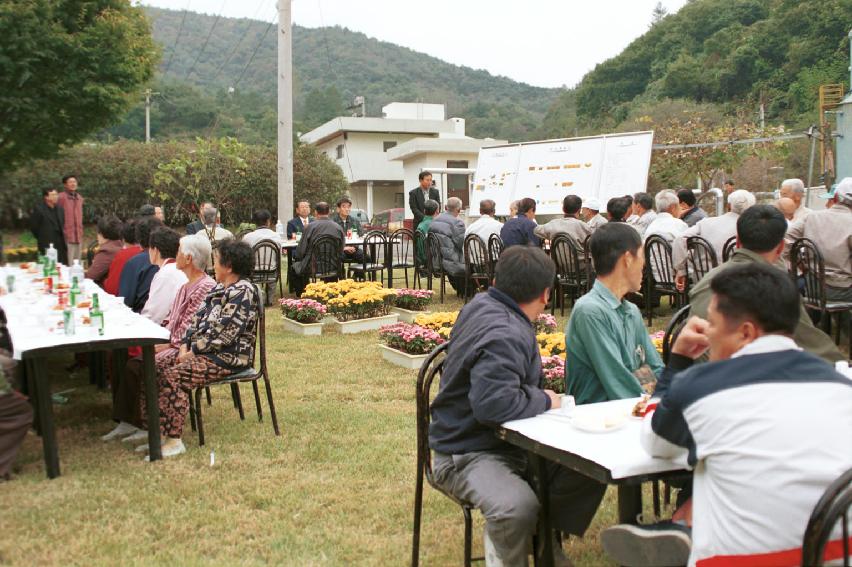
(399, 358)
(306, 329)
(408, 316)
(360, 325)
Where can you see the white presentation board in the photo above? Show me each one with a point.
(601, 167)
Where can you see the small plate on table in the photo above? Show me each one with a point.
(599, 424)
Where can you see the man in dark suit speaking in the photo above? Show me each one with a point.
(418, 196)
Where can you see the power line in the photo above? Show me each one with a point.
(253, 53)
(177, 38)
(206, 40)
(239, 42)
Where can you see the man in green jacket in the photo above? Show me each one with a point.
(609, 353)
(760, 239)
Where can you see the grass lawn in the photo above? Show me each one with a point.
(335, 489)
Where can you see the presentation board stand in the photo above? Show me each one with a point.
(600, 167)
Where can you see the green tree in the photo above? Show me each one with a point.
(67, 68)
(315, 177)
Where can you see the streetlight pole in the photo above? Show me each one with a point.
(285, 111)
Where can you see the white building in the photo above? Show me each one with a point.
(382, 157)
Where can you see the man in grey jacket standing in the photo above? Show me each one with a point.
(492, 374)
(449, 229)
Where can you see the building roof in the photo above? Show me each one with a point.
(456, 145)
(342, 124)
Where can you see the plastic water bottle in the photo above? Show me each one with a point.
(77, 271)
(279, 228)
(52, 253)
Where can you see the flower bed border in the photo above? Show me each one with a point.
(407, 315)
(304, 329)
(403, 359)
(361, 325)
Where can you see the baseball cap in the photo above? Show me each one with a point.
(592, 204)
(842, 190)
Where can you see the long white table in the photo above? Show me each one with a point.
(612, 457)
(36, 334)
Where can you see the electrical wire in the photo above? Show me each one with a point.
(206, 40)
(177, 38)
(239, 42)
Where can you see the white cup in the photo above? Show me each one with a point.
(567, 405)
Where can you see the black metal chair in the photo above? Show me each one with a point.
(326, 262)
(435, 264)
(590, 270)
(401, 254)
(267, 267)
(700, 258)
(477, 266)
(806, 264)
(571, 277)
(728, 248)
(374, 247)
(833, 507)
(251, 375)
(659, 273)
(432, 367)
(673, 329)
(495, 248)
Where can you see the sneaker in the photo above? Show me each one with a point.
(171, 448)
(123, 429)
(655, 545)
(139, 435)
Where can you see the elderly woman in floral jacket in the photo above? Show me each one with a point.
(192, 258)
(219, 341)
(16, 416)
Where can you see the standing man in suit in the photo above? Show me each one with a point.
(300, 222)
(418, 196)
(47, 222)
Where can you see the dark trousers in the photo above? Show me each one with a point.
(126, 394)
(16, 417)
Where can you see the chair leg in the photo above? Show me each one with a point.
(257, 400)
(239, 400)
(468, 536)
(271, 405)
(418, 509)
(209, 399)
(648, 309)
(655, 490)
(192, 410)
(198, 417)
(234, 396)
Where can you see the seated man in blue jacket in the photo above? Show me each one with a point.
(519, 230)
(492, 374)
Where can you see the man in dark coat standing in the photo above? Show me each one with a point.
(418, 196)
(47, 222)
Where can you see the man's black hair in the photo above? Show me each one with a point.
(67, 177)
(617, 208)
(760, 293)
(322, 208)
(144, 227)
(526, 204)
(430, 207)
(236, 255)
(487, 207)
(523, 273)
(571, 204)
(761, 228)
(686, 196)
(46, 191)
(344, 199)
(609, 243)
(109, 227)
(261, 218)
(644, 200)
(166, 241)
(729, 182)
(629, 199)
(147, 211)
(424, 174)
(128, 232)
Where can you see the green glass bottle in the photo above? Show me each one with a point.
(75, 292)
(96, 315)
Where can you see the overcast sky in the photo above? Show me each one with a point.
(546, 43)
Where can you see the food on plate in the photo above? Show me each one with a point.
(641, 406)
(87, 320)
(24, 265)
(63, 286)
(84, 304)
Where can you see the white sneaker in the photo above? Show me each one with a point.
(171, 448)
(121, 430)
(139, 435)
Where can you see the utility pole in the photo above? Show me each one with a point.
(148, 95)
(285, 111)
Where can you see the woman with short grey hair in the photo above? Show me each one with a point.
(198, 250)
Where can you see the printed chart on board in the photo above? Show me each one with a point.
(496, 174)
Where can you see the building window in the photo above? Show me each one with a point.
(458, 184)
(339, 151)
(388, 145)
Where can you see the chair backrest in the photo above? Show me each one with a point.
(267, 262)
(432, 367)
(326, 257)
(260, 333)
(564, 251)
(375, 246)
(587, 254)
(476, 262)
(673, 329)
(806, 262)
(832, 507)
(700, 256)
(658, 259)
(400, 246)
(242, 233)
(434, 256)
(495, 248)
(728, 248)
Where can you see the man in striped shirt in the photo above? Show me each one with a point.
(765, 426)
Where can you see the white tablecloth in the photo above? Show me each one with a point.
(32, 321)
(618, 451)
(349, 242)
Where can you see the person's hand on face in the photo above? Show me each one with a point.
(693, 341)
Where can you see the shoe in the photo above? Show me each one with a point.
(171, 448)
(139, 435)
(658, 545)
(123, 429)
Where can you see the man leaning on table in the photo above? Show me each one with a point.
(609, 353)
(765, 426)
(492, 374)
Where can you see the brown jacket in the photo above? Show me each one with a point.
(73, 208)
(99, 269)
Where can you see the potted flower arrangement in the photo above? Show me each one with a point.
(409, 303)
(551, 344)
(302, 316)
(554, 373)
(546, 323)
(407, 345)
(442, 322)
(362, 309)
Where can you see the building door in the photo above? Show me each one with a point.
(458, 184)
